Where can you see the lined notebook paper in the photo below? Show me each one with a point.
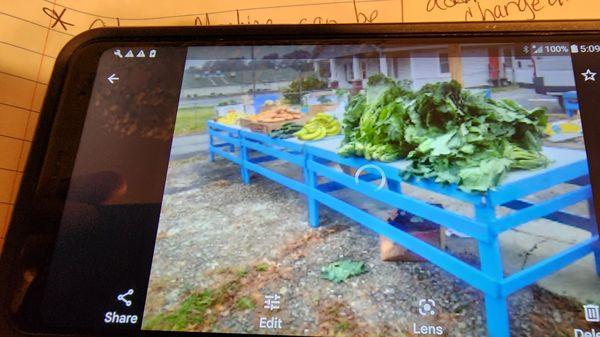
(34, 31)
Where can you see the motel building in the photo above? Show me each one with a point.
(475, 66)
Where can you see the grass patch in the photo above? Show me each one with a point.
(193, 120)
(192, 311)
(245, 303)
(242, 272)
(342, 326)
(200, 310)
(261, 267)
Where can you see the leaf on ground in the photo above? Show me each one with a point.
(342, 270)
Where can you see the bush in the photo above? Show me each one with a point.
(293, 93)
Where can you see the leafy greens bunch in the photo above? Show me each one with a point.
(449, 134)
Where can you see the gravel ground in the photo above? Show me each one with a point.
(215, 231)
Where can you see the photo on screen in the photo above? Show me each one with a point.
(375, 190)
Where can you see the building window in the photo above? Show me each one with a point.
(444, 63)
(324, 69)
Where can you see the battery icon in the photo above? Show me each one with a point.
(574, 49)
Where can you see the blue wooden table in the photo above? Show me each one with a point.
(314, 158)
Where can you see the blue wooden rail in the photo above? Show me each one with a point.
(449, 263)
(544, 268)
(485, 227)
(562, 217)
(542, 209)
(509, 192)
(417, 207)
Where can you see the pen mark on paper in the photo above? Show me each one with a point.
(58, 18)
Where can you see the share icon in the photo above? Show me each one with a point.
(123, 297)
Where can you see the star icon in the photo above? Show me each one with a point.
(589, 75)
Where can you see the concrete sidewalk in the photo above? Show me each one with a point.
(538, 240)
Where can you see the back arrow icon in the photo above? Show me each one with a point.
(112, 78)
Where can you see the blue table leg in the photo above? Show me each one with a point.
(496, 307)
(393, 186)
(594, 231)
(244, 172)
(231, 146)
(211, 143)
(310, 179)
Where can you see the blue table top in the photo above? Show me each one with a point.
(567, 164)
(560, 157)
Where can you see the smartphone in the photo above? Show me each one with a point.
(347, 180)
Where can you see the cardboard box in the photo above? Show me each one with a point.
(244, 122)
(423, 230)
(316, 108)
(266, 127)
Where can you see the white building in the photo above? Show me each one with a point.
(553, 74)
(425, 64)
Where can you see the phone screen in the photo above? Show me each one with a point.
(375, 188)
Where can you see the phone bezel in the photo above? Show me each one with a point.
(61, 120)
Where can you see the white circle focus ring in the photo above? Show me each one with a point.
(383, 181)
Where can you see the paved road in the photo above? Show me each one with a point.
(529, 99)
(187, 146)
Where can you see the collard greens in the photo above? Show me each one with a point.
(449, 134)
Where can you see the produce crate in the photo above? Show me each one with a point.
(265, 128)
(245, 122)
(316, 108)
